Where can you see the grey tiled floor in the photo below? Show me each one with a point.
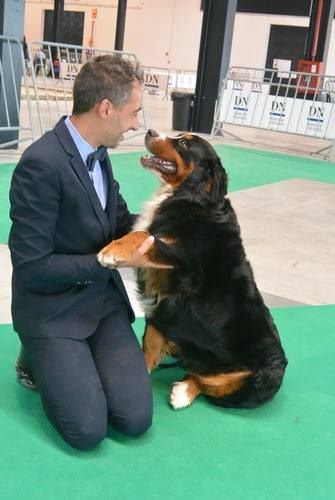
(289, 239)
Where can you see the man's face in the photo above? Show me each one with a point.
(123, 118)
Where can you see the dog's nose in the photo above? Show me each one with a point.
(152, 133)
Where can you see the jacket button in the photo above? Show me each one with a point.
(84, 283)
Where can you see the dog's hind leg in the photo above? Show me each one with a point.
(155, 347)
(184, 393)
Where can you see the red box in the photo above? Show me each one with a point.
(310, 84)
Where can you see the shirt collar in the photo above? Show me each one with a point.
(83, 146)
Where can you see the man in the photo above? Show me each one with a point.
(73, 316)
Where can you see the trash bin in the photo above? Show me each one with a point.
(182, 110)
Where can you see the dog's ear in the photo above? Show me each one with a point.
(215, 181)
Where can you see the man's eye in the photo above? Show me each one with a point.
(182, 143)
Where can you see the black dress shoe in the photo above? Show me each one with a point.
(23, 371)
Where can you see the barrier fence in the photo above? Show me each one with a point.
(162, 81)
(51, 70)
(36, 86)
(14, 87)
(36, 90)
(292, 102)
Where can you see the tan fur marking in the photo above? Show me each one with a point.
(155, 347)
(193, 389)
(121, 250)
(208, 187)
(184, 393)
(164, 149)
(221, 385)
(156, 280)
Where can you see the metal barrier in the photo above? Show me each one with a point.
(14, 86)
(157, 80)
(53, 68)
(329, 91)
(290, 101)
(162, 81)
(183, 80)
(42, 92)
(36, 92)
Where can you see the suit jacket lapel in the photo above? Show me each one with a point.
(83, 175)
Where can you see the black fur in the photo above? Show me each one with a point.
(213, 310)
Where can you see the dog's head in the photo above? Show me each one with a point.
(186, 158)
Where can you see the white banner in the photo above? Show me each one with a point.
(69, 70)
(251, 105)
(155, 83)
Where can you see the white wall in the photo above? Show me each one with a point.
(162, 33)
(330, 66)
(251, 38)
(105, 22)
(166, 33)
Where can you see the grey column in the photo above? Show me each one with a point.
(11, 24)
(120, 24)
(57, 22)
(214, 56)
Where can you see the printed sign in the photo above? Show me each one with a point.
(69, 70)
(244, 104)
(155, 82)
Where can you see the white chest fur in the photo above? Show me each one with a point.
(145, 219)
(149, 298)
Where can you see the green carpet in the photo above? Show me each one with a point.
(246, 168)
(249, 168)
(284, 450)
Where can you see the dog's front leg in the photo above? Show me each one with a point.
(120, 252)
(136, 249)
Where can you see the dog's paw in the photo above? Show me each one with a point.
(108, 259)
(179, 397)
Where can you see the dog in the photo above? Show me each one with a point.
(206, 311)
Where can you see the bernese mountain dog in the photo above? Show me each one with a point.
(206, 311)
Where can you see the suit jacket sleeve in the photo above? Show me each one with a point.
(35, 197)
(124, 219)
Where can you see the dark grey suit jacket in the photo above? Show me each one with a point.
(58, 227)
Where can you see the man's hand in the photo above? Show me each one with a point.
(142, 260)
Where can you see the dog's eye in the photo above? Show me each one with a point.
(182, 143)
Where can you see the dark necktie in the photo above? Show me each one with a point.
(97, 155)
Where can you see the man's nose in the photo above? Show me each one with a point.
(136, 124)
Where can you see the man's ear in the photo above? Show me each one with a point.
(104, 108)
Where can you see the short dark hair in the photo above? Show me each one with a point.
(105, 77)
